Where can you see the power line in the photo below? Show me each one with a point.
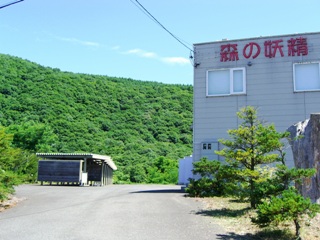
(146, 12)
(8, 4)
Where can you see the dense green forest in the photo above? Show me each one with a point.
(144, 126)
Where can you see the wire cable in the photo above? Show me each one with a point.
(146, 12)
(8, 4)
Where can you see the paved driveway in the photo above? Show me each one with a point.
(116, 212)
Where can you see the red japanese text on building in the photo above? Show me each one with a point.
(251, 49)
(229, 52)
(272, 48)
(297, 46)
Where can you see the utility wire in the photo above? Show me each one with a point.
(146, 12)
(8, 4)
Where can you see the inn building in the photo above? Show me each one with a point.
(279, 75)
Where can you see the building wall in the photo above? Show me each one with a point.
(185, 170)
(59, 171)
(269, 87)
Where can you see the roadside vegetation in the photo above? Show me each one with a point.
(16, 165)
(144, 126)
(235, 217)
(247, 176)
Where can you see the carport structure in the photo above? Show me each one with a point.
(79, 168)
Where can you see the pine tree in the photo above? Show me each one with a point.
(251, 145)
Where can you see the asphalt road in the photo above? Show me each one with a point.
(115, 212)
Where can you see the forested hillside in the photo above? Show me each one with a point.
(144, 126)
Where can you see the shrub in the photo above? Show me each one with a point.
(289, 206)
(8, 180)
(217, 179)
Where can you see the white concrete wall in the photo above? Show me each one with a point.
(185, 170)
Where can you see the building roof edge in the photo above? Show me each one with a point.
(252, 38)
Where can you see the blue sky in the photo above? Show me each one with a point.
(117, 39)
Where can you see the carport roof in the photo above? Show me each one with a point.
(79, 156)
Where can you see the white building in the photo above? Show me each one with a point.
(279, 75)
(185, 170)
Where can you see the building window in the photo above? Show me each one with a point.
(226, 81)
(306, 76)
(204, 146)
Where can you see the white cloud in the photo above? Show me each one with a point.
(78, 41)
(141, 53)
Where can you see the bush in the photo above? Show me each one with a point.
(216, 179)
(289, 206)
(204, 187)
(8, 180)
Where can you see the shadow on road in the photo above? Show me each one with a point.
(262, 235)
(234, 236)
(232, 213)
(160, 191)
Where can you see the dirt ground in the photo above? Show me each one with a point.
(235, 218)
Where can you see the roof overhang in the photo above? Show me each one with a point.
(79, 156)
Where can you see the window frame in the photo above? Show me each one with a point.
(294, 76)
(231, 82)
